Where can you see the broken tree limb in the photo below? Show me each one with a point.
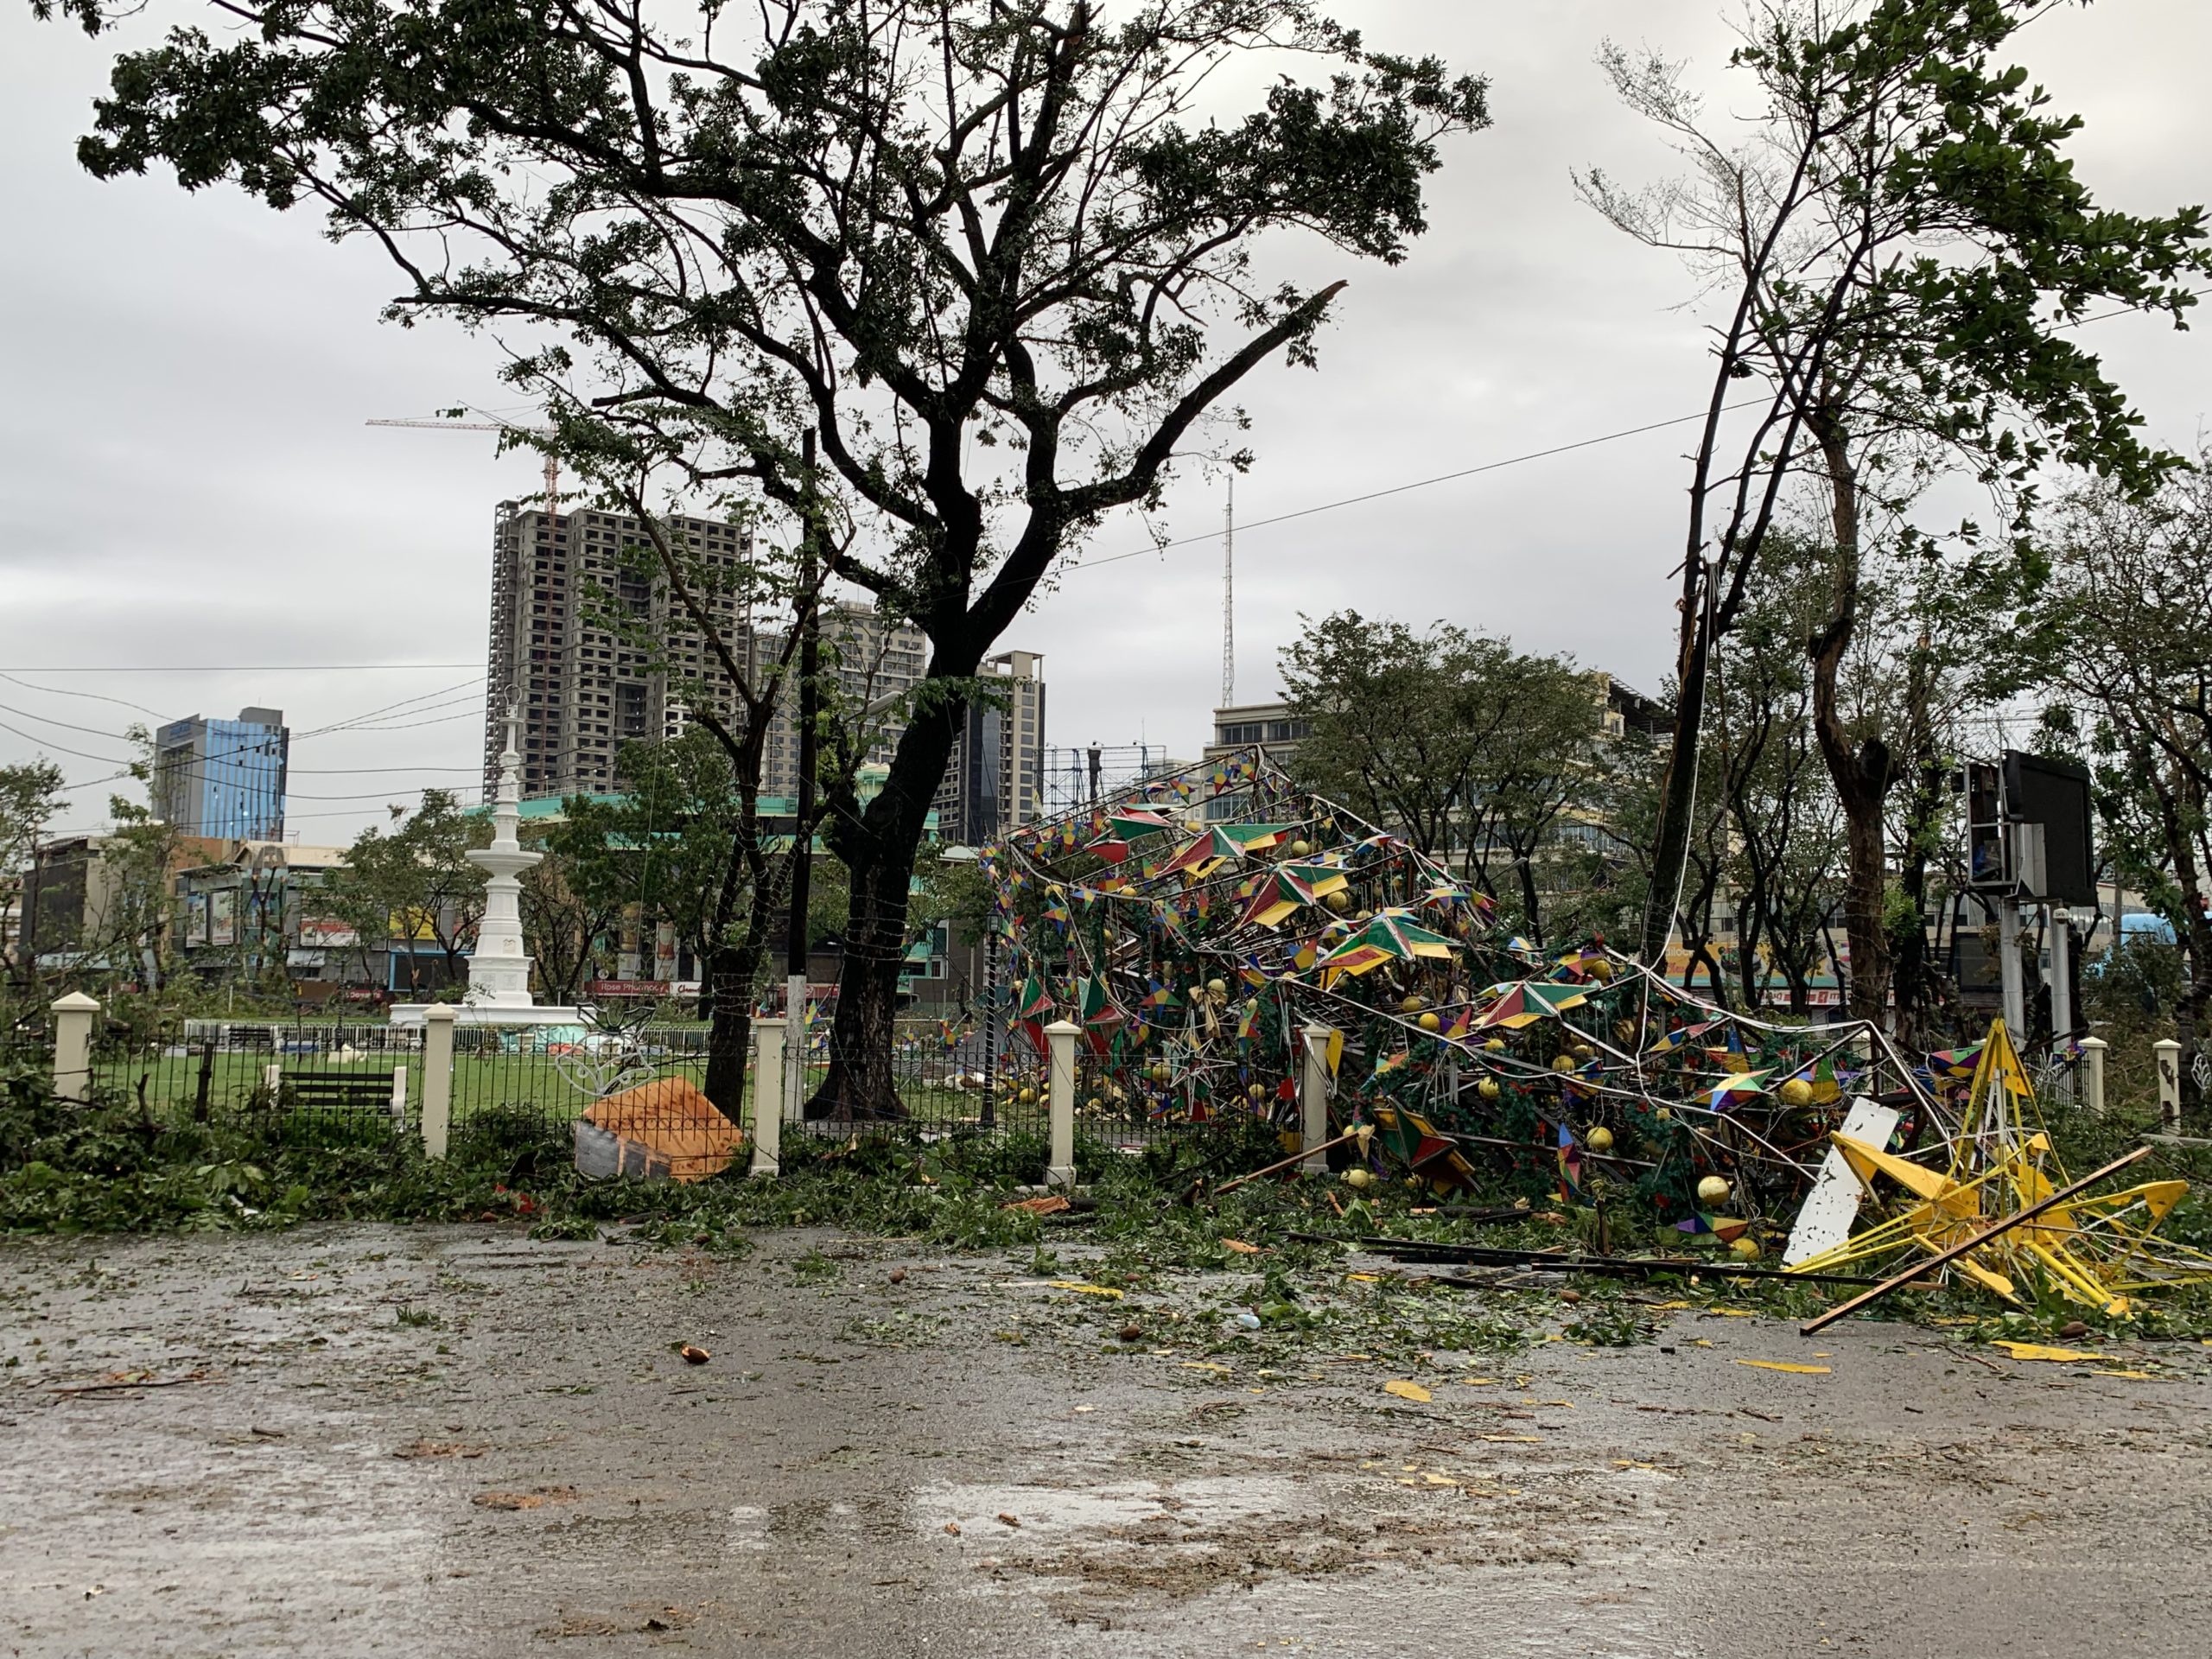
(143, 1383)
(1295, 1158)
(1498, 1256)
(1942, 1258)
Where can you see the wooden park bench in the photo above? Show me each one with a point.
(342, 1091)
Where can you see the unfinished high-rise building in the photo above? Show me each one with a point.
(581, 685)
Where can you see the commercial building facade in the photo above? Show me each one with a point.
(223, 779)
(994, 782)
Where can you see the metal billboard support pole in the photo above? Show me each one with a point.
(2008, 965)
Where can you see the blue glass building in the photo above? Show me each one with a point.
(223, 778)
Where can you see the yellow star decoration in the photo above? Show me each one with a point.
(2097, 1251)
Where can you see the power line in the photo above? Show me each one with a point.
(49, 720)
(97, 697)
(390, 708)
(42, 745)
(239, 668)
(1533, 454)
(1420, 483)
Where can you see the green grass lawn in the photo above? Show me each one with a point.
(481, 1083)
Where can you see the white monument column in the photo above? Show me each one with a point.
(499, 969)
(499, 972)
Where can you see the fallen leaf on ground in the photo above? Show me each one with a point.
(1080, 1288)
(2036, 1351)
(952, 1526)
(1008, 1520)
(535, 1500)
(1786, 1365)
(1515, 1440)
(439, 1449)
(2132, 1377)
(1240, 1246)
(1051, 1205)
(1413, 1391)
(1374, 1278)
(1204, 1365)
(693, 1355)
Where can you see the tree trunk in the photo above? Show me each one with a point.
(2178, 806)
(1526, 867)
(729, 1032)
(878, 846)
(1860, 773)
(1678, 789)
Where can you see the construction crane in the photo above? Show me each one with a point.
(552, 462)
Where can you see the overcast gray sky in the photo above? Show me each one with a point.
(185, 478)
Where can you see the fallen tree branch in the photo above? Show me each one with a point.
(1295, 1158)
(149, 1383)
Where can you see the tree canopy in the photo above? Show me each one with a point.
(997, 256)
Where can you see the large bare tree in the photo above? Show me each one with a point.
(1001, 256)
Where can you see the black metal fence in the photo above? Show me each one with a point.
(359, 1083)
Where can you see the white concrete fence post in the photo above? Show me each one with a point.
(1313, 1100)
(1060, 1171)
(767, 1097)
(438, 1077)
(2169, 1056)
(2092, 1072)
(72, 1046)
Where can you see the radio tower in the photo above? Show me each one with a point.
(1229, 599)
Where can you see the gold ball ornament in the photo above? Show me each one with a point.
(1599, 1139)
(1411, 1003)
(1430, 1022)
(1027, 1096)
(1496, 1046)
(1563, 1064)
(1356, 1178)
(1745, 1249)
(1300, 848)
(1488, 1089)
(1713, 1189)
(1662, 1114)
(1795, 1092)
(1257, 1091)
(1600, 970)
(1339, 902)
(1216, 987)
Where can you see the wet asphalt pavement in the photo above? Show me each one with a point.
(456, 1441)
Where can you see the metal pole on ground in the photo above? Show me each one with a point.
(72, 1046)
(438, 1077)
(802, 852)
(2008, 967)
(1060, 1171)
